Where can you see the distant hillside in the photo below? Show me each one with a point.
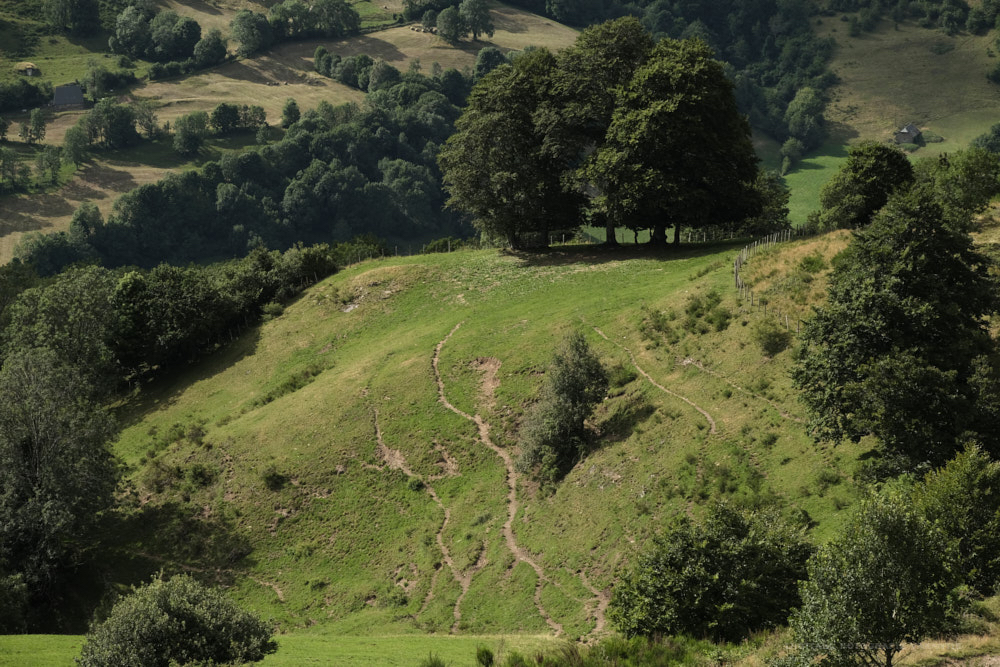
(903, 74)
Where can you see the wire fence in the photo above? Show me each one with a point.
(746, 292)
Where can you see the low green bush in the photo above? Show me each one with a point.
(179, 621)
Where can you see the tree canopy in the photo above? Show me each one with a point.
(901, 349)
(724, 579)
(885, 580)
(652, 134)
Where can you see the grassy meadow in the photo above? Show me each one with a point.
(298, 465)
(345, 469)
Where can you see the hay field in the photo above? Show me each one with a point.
(907, 74)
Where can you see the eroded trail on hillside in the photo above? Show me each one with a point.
(700, 366)
(520, 554)
(704, 413)
(395, 460)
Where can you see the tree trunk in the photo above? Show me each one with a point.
(609, 232)
(658, 235)
(677, 235)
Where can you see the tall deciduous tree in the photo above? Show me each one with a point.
(56, 472)
(450, 25)
(252, 31)
(885, 581)
(862, 186)
(494, 165)
(586, 86)
(476, 15)
(901, 349)
(678, 151)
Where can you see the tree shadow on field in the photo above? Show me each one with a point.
(166, 388)
(175, 538)
(597, 254)
(507, 20)
(200, 7)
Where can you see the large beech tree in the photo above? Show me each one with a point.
(494, 166)
(678, 152)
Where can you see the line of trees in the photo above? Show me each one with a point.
(291, 20)
(339, 172)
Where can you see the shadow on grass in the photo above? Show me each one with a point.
(173, 538)
(601, 254)
(166, 388)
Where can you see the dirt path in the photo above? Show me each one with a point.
(483, 428)
(395, 460)
(704, 413)
(599, 611)
(700, 366)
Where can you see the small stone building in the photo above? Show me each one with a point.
(909, 134)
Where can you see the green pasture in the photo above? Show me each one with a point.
(266, 465)
(305, 649)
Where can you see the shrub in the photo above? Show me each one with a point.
(734, 575)
(179, 621)
(273, 479)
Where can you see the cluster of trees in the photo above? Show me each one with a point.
(99, 81)
(338, 173)
(77, 17)
(23, 94)
(174, 42)
(952, 16)
(66, 345)
(901, 569)
(901, 349)
(769, 46)
(649, 133)
(363, 72)
(160, 36)
(290, 20)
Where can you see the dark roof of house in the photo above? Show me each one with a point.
(910, 129)
(67, 95)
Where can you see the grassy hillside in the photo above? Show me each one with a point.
(315, 466)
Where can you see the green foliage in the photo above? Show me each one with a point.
(896, 351)
(885, 580)
(476, 16)
(190, 132)
(290, 113)
(451, 26)
(495, 167)
(961, 500)
(178, 621)
(554, 436)
(57, 477)
(677, 148)
(733, 575)
(861, 187)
